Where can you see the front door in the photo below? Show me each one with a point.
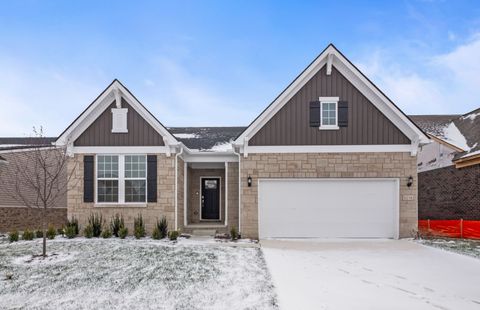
(210, 202)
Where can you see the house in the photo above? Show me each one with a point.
(14, 214)
(331, 156)
(449, 167)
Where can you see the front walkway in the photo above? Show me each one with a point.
(374, 274)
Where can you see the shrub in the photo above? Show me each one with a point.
(73, 223)
(88, 231)
(106, 233)
(173, 235)
(138, 227)
(123, 232)
(116, 223)
(51, 232)
(28, 234)
(39, 233)
(233, 233)
(13, 236)
(156, 233)
(70, 232)
(60, 231)
(163, 227)
(96, 221)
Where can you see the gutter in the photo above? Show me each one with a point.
(176, 185)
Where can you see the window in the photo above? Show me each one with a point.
(135, 178)
(328, 113)
(107, 180)
(121, 178)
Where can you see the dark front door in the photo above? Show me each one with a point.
(210, 198)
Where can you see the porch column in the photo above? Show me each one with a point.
(226, 193)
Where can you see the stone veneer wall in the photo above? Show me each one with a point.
(150, 211)
(21, 218)
(329, 165)
(232, 196)
(180, 191)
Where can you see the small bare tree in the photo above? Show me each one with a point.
(41, 177)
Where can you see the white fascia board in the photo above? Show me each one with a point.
(378, 99)
(100, 104)
(279, 102)
(87, 117)
(147, 115)
(388, 148)
(119, 149)
(356, 78)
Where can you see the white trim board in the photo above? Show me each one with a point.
(119, 150)
(388, 148)
(355, 77)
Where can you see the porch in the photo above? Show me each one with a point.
(210, 195)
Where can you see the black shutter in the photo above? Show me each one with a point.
(88, 179)
(343, 114)
(152, 178)
(315, 114)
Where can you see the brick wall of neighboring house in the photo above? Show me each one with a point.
(449, 193)
(329, 165)
(21, 218)
(13, 213)
(150, 211)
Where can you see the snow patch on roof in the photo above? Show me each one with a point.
(453, 136)
(471, 154)
(471, 116)
(222, 147)
(186, 135)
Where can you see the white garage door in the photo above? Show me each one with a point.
(328, 208)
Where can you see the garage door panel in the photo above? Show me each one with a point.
(353, 208)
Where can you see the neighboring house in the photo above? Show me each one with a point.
(13, 213)
(331, 156)
(449, 167)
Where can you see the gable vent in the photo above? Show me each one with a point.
(119, 115)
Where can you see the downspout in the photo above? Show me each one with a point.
(239, 191)
(176, 186)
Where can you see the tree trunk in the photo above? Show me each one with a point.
(44, 227)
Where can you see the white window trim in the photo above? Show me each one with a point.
(121, 181)
(329, 100)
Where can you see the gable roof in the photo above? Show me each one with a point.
(461, 131)
(17, 143)
(206, 138)
(93, 111)
(333, 56)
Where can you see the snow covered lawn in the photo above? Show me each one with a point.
(462, 246)
(134, 274)
(373, 274)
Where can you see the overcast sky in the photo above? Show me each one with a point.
(212, 63)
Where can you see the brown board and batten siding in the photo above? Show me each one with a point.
(140, 133)
(366, 124)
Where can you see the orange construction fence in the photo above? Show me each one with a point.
(450, 228)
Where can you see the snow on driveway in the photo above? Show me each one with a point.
(373, 274)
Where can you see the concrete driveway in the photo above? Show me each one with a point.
(371, 274)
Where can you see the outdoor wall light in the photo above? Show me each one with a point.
(410, 181)
(249, 181)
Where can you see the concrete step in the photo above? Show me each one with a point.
(204, 232)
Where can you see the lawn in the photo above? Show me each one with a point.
(461, 246)
(134, 274)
